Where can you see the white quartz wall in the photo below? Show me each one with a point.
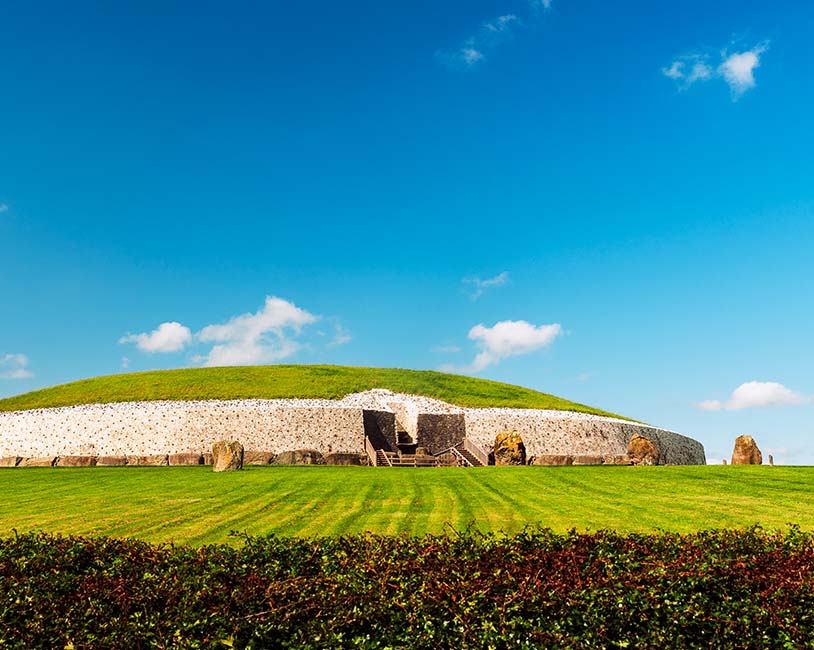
(566, 433)
(165, 427)
(329, 426)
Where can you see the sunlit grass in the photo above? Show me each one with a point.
(195, 505)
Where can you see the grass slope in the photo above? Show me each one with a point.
(194, 505)
(270, 382)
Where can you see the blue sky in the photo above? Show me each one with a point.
(611, 202)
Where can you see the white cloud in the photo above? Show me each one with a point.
(700, 72)
(736, 69)
(261, 337)
(446, 349)
(760, 394)
(488, 36)
(469, 55)
(777, 451)
(14, 366)
(501, 23)
(167, 337)
(268, 335)
(710, 405)
(756, 394)
(478, 286)
(341, 336)
(540, 4)
(674, 71)
(507, 339)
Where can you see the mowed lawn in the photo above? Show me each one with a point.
(194, 505)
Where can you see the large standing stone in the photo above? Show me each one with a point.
(509, 449)
(10, 461)
(227, 456)
(642, 451)
(746, 452)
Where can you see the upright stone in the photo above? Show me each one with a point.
(509, 449)
(746, 452)
(227, 456)
(642, 451)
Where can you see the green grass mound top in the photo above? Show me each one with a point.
(286, 382)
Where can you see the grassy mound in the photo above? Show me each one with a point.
(275, 382)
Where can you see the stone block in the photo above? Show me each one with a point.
(339, 458)
(76, 461)
(48, 461)
(10, 461)
(258, 457)
(588, 460)
(111, 461)
(552, 459)
(154, 460)
(616, 460)
(185, 459)
(208, 459)
(300, 457)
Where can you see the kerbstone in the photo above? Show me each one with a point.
(76, 461)
(111, 461)
(185, 459)
(258, 457)
(48, 461)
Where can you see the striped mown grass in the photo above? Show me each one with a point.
(194, 505)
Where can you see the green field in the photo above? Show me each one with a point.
(295, 381)
(194, 505)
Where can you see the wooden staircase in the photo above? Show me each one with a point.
(464, 454)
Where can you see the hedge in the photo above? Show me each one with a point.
(726, 588)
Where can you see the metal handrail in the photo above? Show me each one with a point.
(371, 452)
(476, 451)
(461, 458)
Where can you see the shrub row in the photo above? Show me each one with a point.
(747, 588)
